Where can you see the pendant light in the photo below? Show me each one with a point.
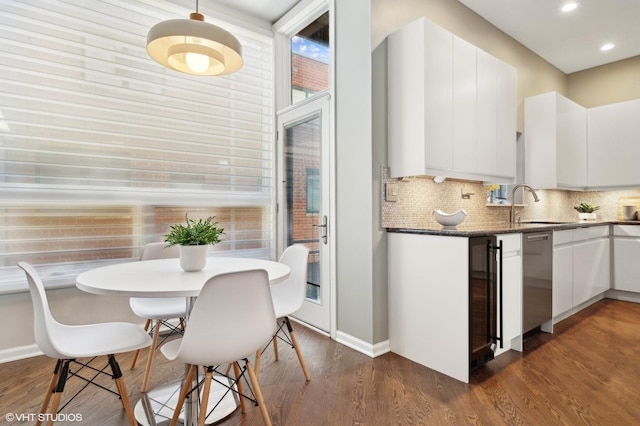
(194, 47)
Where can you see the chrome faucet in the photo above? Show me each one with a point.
(512, 215)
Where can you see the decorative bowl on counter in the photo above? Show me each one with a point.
(449, 220)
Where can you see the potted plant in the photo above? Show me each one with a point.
(194, 239)
(586, 211)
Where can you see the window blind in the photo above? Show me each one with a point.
(101, 148)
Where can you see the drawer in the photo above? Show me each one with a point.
(626, 230)
(562, 237)
(583, 234)
(511, 243)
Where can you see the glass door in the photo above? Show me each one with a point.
(303, 198)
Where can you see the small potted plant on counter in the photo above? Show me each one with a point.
(586, 211)
(194, 239)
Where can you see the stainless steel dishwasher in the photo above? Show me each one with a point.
(537, 268)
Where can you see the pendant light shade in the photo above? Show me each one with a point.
(194, 47)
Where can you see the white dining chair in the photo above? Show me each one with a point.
(288, 297)
(231, 318)
(68, 343)
(158, 310)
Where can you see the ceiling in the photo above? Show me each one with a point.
(268, 10)
(570, 41)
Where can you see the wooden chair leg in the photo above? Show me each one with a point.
(181, 319)
(183, 394)
(257, 361)
(236, 370)
(298, 352)
(258, 394)
(152, 350)
(135, 356)
(62, 379)
(122, 390)
(205, 396)
(52, 384)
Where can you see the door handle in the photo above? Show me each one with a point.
(323, 226)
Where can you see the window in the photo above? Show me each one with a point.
(313, 191)
(102, 149)
(310, 60)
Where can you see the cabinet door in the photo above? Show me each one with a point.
(540, 140)
(486, 112)
(438, 96)
(511, 287)
(571, 144)
(626, 268)
(465, 152)
(512, 297)
(562, 279)
(420, 99)
(613, 144)
(506, 121)
(591, 269)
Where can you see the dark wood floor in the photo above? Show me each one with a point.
(587, 373)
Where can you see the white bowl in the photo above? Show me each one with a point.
(449, 220)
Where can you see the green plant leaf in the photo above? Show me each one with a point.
(586, 208)
(194, 233)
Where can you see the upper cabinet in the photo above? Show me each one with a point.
(571, 147)
(614, 145)
(555, 142)
(451, 107)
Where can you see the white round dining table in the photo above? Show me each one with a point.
(165, 278)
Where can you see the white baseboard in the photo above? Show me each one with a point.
(19, 352)
(626, 296)
(362, 346)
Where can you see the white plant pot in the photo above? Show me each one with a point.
(193, 258)
(587, 216)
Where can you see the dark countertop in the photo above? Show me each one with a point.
(506, 228)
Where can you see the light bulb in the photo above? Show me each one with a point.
(197, 62)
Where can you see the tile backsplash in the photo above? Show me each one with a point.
(419, 196)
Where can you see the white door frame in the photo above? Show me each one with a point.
(321, 317)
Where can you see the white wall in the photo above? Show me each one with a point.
(354, 201)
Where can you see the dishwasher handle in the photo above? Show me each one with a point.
(537, 237)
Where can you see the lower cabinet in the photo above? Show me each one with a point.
(562, 296)
(429, 301)
(511, 290)
(428, 279)
(626, 258)
(581, 266)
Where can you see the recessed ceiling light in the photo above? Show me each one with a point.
(607, 46)
(568, 7)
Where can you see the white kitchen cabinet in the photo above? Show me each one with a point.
(581, 266)
(614, 145)
(420, 96)
(428, 294)
(562, 293)
(451, 107)
(506, 120)
(555, 142)
(591, 269)
(626, 258)
(429, 301)
(511, 289)
(465, 133)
